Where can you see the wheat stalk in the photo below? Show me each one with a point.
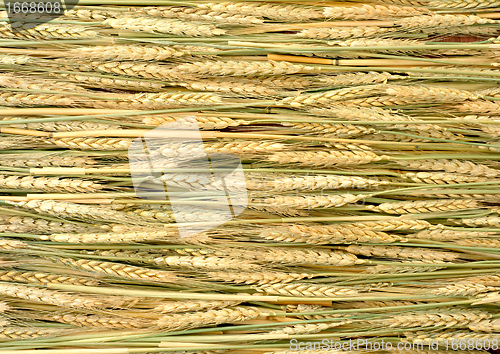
(424, 206)
(176, 322)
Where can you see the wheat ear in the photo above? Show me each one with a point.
(259, 278)
(155, 25)
(372, 12)
(176, 322)
(307, 290)
(339, 32)
(430, 319)
(119, 270)
(194, 305)
(99, 321)
(201, 14)
(26, 30)
(402, 252)
(205, 262)
(18, 276)
(48, 184)
(424, 206)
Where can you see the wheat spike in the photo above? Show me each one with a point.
(400, 269)
(282, 13)
(487, 326)
(205, 262)
(484, 221)
(111, 83)
(479, 107)
(127, 236)
(124, 68)
(451, 166)
(154, 215)
(99, 321)
(306, 290)
(339, 32)
(91, 14)
(59, 298)
(194, 305)
(260, 278)
(325, 234)
(38, 83)
(308, 257)
(395, 224)
(308, 328)
(447, 235)
(155, 25)
(480, 242)
(463, 289)
(372, 12)
(24, 224)
(422, 254)
(408, 95)
(33, 99)
(164, 100)
(237, 68)
(177, 322)
(61, 127)
(424, 206)
(312, 201)
(353, 79)
(104, 144)
(125, 52)
(8, 245)
(119, 270)
(464, 4)
(430, 319)
(329, 129)
(48, 184)
(18, 276)
(436, 20)
(442, 337)
(43, 160)
(15, 59)
(328, 98)
(326, 158)
(442, 178)
(233, 86)
(19, 333)
(204, 122)
(199, 14)
(77, 211)
(26, 30)
(311, 183)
